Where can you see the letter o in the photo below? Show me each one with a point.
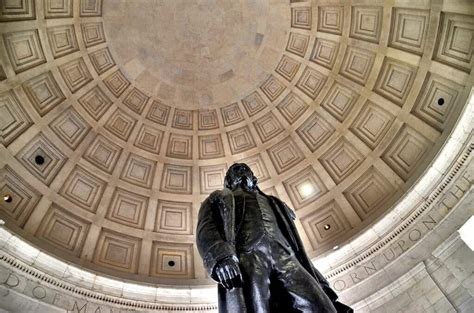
(413, 231)
(39, 292)
(339, 285)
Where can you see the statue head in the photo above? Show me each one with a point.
(240, 175)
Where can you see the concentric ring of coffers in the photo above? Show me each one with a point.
(343, 108)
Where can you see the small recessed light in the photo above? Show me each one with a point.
(327, 227)
(171, 263)
(2, 222)
(335, 247)
(440, 101)
(39, 160)
(7, 198)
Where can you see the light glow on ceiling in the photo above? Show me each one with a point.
(306, 189)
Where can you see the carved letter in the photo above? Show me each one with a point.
(389, 258)
(56, 299)
(401, 243)
(412, 232)
(339, 285)
(39, 292)
(11, 284)
(373, 268)
(354, 277)
(76, 308)
(432, 221)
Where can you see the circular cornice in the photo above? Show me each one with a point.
(107, 173)
(448, 199)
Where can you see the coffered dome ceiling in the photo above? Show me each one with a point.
(197, 54)
(119, 118)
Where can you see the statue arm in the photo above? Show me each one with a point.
(322, 280)
(210, 241)
(325, 285)
(289, 211)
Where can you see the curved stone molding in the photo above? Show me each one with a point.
(68, 288)
(442, 195)
(340, 108)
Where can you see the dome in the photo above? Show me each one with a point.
(119, 118)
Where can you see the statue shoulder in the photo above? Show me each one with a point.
(216, 201)
(288, 210)
(215, 196)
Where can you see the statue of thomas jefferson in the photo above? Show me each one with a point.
(250, 246)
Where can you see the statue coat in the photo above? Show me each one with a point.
(216, 240)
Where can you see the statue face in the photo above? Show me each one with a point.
(240, 175)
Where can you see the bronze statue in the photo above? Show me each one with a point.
(250, 246)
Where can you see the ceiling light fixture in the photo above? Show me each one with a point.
(7, 198)
(306, 190)
(327, 227)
